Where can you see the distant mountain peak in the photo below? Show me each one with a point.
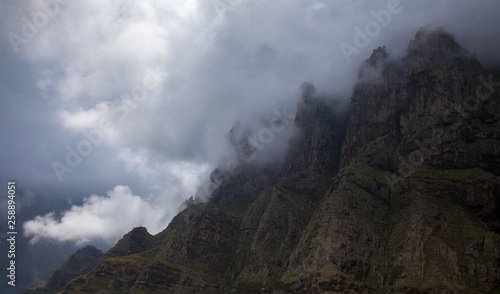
(378, 55)
(79, 263)
(436, 44)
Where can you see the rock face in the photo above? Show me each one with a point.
(416, 206)
(78, 264)
(133, 242)
(321, 130)
(400, 193)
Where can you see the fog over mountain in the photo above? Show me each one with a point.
(114, 112)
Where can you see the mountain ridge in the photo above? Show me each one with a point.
(397, 193)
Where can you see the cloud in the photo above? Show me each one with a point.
(217, 64)
(178, 177)
(104, 217)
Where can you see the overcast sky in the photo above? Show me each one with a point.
(118, 110)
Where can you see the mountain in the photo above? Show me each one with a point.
(397, 193)
(79, 263)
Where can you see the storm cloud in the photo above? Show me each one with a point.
(133, 99)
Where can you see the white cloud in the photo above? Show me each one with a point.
(104, 217)
(178, 178)
(109, 217)
(84, 119)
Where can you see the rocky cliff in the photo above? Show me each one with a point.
(397, 194)
(415, 207)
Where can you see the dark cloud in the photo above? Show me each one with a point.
(158, 84)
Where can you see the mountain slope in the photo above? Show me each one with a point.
(79, 263)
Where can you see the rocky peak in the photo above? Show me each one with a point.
(376, 69)
(133, 242)
(320, 123)
(434, 40)
(429, 87)
(379, 54)
(435, 49)
(308, 93)
(254, 159)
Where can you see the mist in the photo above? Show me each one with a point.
(119, 102)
